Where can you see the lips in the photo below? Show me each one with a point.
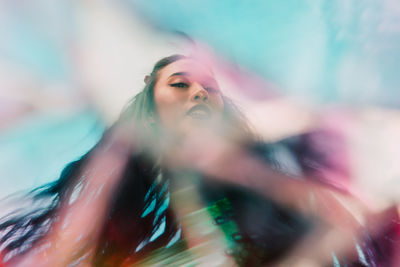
(200, 112)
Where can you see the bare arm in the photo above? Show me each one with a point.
(335, 225)
(81, 215)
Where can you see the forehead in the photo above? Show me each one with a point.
(191, 67)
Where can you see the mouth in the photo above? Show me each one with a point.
(199, 112)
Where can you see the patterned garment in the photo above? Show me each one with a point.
(141, 228)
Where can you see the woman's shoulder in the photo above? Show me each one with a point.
(316, 155)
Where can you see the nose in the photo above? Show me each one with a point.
(199, 93)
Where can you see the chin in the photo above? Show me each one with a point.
(189, 125)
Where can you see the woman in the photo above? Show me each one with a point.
(180, 140)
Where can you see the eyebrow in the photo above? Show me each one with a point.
(179, 74)
(185, 73)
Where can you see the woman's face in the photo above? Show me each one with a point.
(187, 96)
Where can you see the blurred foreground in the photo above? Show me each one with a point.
(317, 80)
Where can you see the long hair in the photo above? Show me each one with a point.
(20, 231)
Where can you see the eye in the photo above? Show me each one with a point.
(180, 85)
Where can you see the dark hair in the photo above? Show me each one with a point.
(21, 230)
(142, 106)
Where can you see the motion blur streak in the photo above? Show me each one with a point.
(317, 80)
